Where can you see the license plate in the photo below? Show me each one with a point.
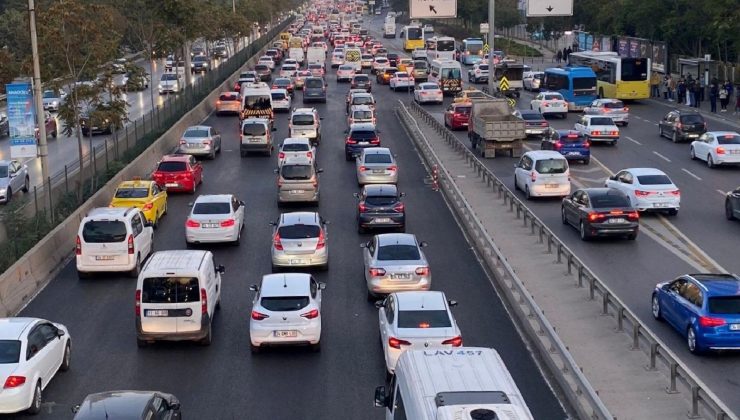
(551, 185)
(693, 135)
(378, 171)
(255, 140)
(194, 145)
(616, 220)
(382, 220)
(296, 261)
(286, 334)
(172, 185)
(210, 225)
(574, 153)
(297, 191)
(104, 257)
(362, 142)
(660, 205)
(400, 276)
(156, 312)
(735, 327)
(735, 152)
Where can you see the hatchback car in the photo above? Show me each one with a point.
(132, 405)
(682, 125)
(457, 116)
(305, 122)
(316, 69)
(200, 140)
(704, 308)
(536, 126)
(732, 204)
(299, 80)
(379, 64)
(146, 196)
(264, 72)
(361, 81)
(357, 97)
(428, 92)
(288, 70)
(380, 207)
(345, 72)
(376, 165)
(296, 148)
(283, 83)
(383, 77)
(360, 136)
(600, 212)
(542, 173)
(314, 89)
(298, 181)
(286, 310)
(717, 148)
(13, 178)
(215, 218)
(394, 262)
(300, 239)
(571, 144)
(280, 100)
(648, 189)
(532, 80)
(228, 102)
(178, 173)
(612, 108)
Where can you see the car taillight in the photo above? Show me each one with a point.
(633, 215)
(78, 246)
(309, 154)
(258, 316)
(376, 140)
(377, 272)
(14, 381)
(592, 217)
(280, 182)
(228, 223)
(312, 314)
(677, 193)
(396, 343)
(191, 223)
(706, 321)
(422, 271)
(363, 168)
(454, 341)
(558, 145)
(137, 302)
(276, 242)
(720, 150)
(639, 193)
(322, 240)
(399, 208)
(626, 109)
(533, 176)
(203, 302)
(615, 133)
(130, 244)
(586, 143)
(281, 155)
(148, 206)
(596, 133)
(182, 141)
(546, 104)
(349, 140)
(362, 207)
(315, 183)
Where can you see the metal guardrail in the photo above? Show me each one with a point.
(702, 398)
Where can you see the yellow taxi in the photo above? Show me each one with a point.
(406, 64)
(144, 195)
(468, 95)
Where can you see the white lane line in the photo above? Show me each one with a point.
(661, 156)
(656, 124)
(633, 140)
(691, 173)
(721, 192)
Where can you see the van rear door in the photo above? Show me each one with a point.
(105, 242)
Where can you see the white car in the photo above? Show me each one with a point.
(419, 53)
(170, 83)
(379, 64)
(288, 70)
(33, 351)
(416, 320)
(215, 218)
(612, 108)
(542, 173)
(598, 129)
(345, 73)
(366, 61)
(52, 99)
(286, 311)
(268, 61)
(717, 148)
(361, 114)
(532, 80)
(428, 28)
(401, 80)
(550, 103)
(479, 73)
(428, 92)
(291, 62)
(647, 189)
(281, 100)
(337, 59)
(296, 147)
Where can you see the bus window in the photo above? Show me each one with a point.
(634, 69)
(556, 82)
(414, 33)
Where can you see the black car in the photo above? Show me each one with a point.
(94, 122)
(679, 125)
(360, 136)
(600, 212)
(128, 405)
(361, 81)
(263, 72)
(732, 204)
(380, 207)
(314, 89)
(392, 59)
(536, 124)
(200, 63)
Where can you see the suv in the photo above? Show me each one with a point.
(542, 173)
(380, 206)
(679, 125)
(255, 136)
(113, 239)
(314, 89)
(360, 136)
(298, 181)
(305, 122)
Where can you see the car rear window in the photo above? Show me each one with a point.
(362, 115)
(278, 96)
(462, 110)
(424, 319)
(170, 290)
(430, 87)
(295, 172)
(362, 100)
(398, 253)
(420, 65)
(551, 166)
(296, 147)
(196, 133)
(132, 192)
(613, 105)
(381, 200)
(212, 208)
(254, 130)
(692, 119)
(572, 138)
(378, 158)
(728, 139)
(729, 305)
(229, 97)
(10, 351)
(362, 135)
(299, 231)
(262, 67)
(654, 180)
(599, 201)
(172, 167)
(104, 231)
(553, 97)
(302, 119)
(284, 303)
(363, 78)
(602, 121)
(314, 83)
(531, 116)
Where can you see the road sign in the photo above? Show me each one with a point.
(538, 8)
(484, 28)
(486, 48)
(425, 9)
(503, 84)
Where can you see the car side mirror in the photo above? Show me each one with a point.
(148, 223)
(322, 286)
(380, 398)
(452, 303)
(356, 195)
(319, 170)
(241, 203)
(321, 118)
(403, 194)
(275, 170)
(273, 223)
(254, 288)
(221, 269)
(190, 204)
(423, 244)
(346, 131)
(60, 333)
(175, 405)
(363, 245)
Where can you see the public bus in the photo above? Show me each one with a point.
(413, 37)
(471, 51)
(576, 84)
(447, 74)
(440, 48)
(616, 77)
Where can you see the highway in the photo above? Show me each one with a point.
(224, 380)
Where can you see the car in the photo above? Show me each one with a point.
(300, 239)
(33, 351)
(410, 320)
(703, 307)
(717, 148)
(366, 61)
(345, 72)
(407, 65)
(169, 61)
(177, 173)
(286, 310)
(598, 129)
(244, 78)
(550, 103)
(256, 136)
(428, 28)
(376, 165)
(52, 99)
(200, 64)
(274, 54)
(268, 61)
(113, 239)
(337, 59)
(291, 62)
(383, 77)
(479, 73)
(571, 144)
(612, 108)
(380, 207)
(215, 218)
(392, 59)
(536, 125)
(170, 83)
(300, 78)
(732, 204)
(419, 72)
(200, 140)
(600, 212)
(264, 72)
(305, 122)
(197, 52)
(379, 64)
(284, 83)
(361, 114)
(360, 97)
(220, 52)
(457, 116)
(13, 178)
(281, 100)
(394, 262)
(682, 125)
(119, 66)
(419, 53)
(428, 92)
(293, 148)
(360, 136)
(144, 195)
(361, 81)
(314, 89)
(532, 80)
(133, 405)
(298, 181)
(228, 102)
(467, 95)
(136, 80)
(649, 189)
(401, 80)
(288, 70)
(542, 173)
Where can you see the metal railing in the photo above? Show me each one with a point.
(702, 399)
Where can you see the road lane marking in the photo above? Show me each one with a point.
(721, 192)
(585, 170)
(702, 257)
(593, 180)
(633, 140)
(691, 173)
(661, 156)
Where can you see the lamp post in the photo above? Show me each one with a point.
(43, 152)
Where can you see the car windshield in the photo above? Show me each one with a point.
(378, 158)
(424, 319)
(729, 305)
(49, 94)
(281, 82)
(296, 171)
(381, 200)
(728, 139)
(602, 121)
(363, 135)
(199, 58)
(10, 351)
(172, 167)
(299, 231)
(296, 147)
(692, 119)
(314, 83)
(398, 253)
(228, 97)
(169, 76)
(302, 119)
(346, 68)
(654, 180)
(571, 138)
(284, 303)
(212, 208)
(130, 192)
(196, 133)
(613, 105)
(552, 166)
(600, 201)
(170, 290)
(104, 231)
(530, 116)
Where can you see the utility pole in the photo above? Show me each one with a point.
(491, 49)
(233, 6)
(38, 102)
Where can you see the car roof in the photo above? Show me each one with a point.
(396, 239)
(197, 127)
(376, 151)
(362, 107)
(718, 284)
(213, 198)
(421, 301)
(12, 328)
(304, 111)
(114, 404)
(545, 154)
(296, 140)
(300, 218)
(644, 171)
(382, 190)
(285, 284)
(550, 92)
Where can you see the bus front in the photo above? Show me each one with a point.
(472, 51)
(634, 80)
(413, 38)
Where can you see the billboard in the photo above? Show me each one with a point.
(21, 120)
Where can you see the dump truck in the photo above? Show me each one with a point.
(493, 127)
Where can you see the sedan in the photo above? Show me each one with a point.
(268, 61)
(536, 125)
(571, 144)
(428, 92)
(286, 310)
(379, 207)
(132, 405)
(717, 148)
(598, 129)
(401, 80)
(200, 140)
(416, 320)
(214, 219)
(283, 83)
(288, 70)
(379, 64)
(345, 73)
(547, 103)
(600, 212)
(394, 262)
(296, 148)
(732, 204)
(457, 116)
(648, 189)
(612, 108)
(13, 178)
(33, 350)
(300, 239)
(376, 165)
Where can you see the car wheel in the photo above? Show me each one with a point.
(674, 138)
(586, 161)
(527, 193)
(238, 239)
(582, 230)
(672, 212)
(691, 341)
(657, 313)
(692, 154)
(141, 343)
(632, 236)
(660, 131)
(371, 297)
(625, 123)
(562, 216)
(728, 210)
(82, 275)
(8, 195)
(155, 222)
(516, 185)
(67, 358)
(361, 229)
(25, 185)
(316, 347)
(254, 349)
(35, 407)
(710, 162)
(347, 157)
(134, 273)
(206, 341)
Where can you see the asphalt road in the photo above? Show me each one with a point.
(224, 380)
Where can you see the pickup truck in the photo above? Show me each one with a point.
(598, 129)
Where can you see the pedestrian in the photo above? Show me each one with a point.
(696, 99)
(655, 85)
(724, 97)
(713, 94)
(559, 56)
(664, 87)
(570, 51)
(681, 89)
(565, 54)
(671, 88)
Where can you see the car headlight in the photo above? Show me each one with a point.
(2, 191)
(159, 86)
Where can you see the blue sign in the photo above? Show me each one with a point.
(21, 120)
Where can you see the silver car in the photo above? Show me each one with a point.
(300, 239)
(298, 181)
(394, 262)
(612, 108)
(200, 140)
(13, 178)
(376, 165)
(52, 99)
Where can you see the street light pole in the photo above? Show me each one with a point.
(491, 38)
(38, 102)
(233, 6)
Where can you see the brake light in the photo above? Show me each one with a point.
(137, 302)
(363, 168)
(14, 381)
(626, 109)
(78, 246)
(228, 223)
(377, 272)
(203, 302)
(596, 133)
(257, 316)
(399, 208)
(616, 212)
(315, 183)
(454, 341)
(393, 168)
(376, 140)
(281, 155)
(422, 271)
(546, 104)
(633, 215)
(397, 343)
(280, 182)
(276, 242)
(639, 193)
(677, 193)
(592, 217)
(720, 150)
(191, 223)
(351, 141)
(706, 321)
(130, 244)
(615, 133)
(558, 145)
(586, 143)
(362, 207)
(182, 141)
(533, 176)
(312, 314)
(148, 206)
(322, 240)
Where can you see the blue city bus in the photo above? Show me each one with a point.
(471, 51)
(576, 84)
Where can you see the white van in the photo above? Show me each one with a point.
(353, 57)
(463, 383)
(177, 294)
(542, 173)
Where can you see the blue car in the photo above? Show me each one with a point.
(571, 144)
(705, 308)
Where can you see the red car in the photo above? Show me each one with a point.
(178, 173)
(457, 116)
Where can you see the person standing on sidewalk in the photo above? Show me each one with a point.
(559, 56)
(697, 89)
(713, 94)
(724, 97)
(565, 54)
(681, 91)
(671, 88)
(655, 85)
